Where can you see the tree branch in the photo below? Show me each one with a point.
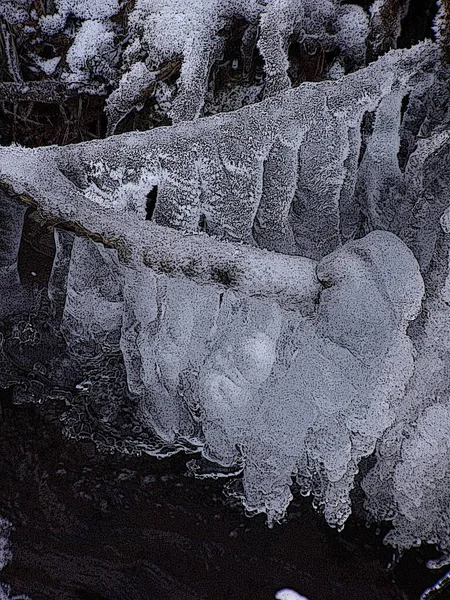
(204, 259)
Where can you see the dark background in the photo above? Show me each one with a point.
(109, 527)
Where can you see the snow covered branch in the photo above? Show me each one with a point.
(257, 274)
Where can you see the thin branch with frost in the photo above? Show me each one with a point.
(437, 588)
(198, 257)
(99, 188)
(47, 92)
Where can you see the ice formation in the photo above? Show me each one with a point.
(162, 29)
(287, 594)
(190, 32)
(266, 287)
(237, 358)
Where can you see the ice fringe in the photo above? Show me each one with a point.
(239, 332)
(245, 347)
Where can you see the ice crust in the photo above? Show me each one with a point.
(80, 9)
(161, 30)
(268, 314)
(287, 594)
(191, 33)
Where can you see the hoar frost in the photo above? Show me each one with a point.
(284, 310)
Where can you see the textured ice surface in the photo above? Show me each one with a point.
(12, 214)
(81, 9)
(410, 482)
(15, 11)
(5, 555)
(265, 314)
(161, 30)
(89, 57)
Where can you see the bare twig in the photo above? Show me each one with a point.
(47, 92)
(12, 57)
(206, 260)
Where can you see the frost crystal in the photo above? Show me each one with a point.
(162, 30)
(248, 285)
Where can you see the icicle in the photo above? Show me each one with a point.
(12, 214)
(93, 308)
(57, 286)
(272, 229)
(379, 174)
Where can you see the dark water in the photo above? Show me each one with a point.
(110, 527)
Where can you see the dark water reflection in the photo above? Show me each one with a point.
(102, 527)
